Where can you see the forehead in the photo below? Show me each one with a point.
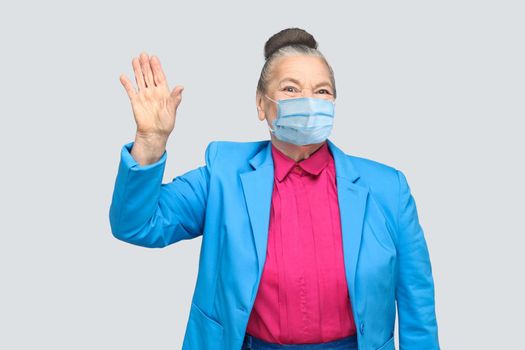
(306, 69)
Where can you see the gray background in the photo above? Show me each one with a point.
(433, 88)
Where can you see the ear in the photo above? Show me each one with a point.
(259, 102)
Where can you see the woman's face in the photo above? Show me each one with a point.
(295, 76)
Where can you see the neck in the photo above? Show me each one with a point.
(297, 153)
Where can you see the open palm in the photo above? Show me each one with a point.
(154, 106)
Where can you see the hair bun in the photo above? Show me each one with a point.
(289, 36)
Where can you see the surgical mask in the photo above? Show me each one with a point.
(303, 120)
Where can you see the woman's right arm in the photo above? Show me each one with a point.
(144, 211)
(148, 213)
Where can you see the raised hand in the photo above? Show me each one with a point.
(154, 107)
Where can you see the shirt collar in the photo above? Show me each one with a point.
(313, 164)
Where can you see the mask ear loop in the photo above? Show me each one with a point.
(271, 130)
(271, 99)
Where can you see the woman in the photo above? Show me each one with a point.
(303, 246)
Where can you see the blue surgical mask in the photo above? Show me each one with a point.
(303, 120)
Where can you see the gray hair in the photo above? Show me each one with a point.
(290, 50)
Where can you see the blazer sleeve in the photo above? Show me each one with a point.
(148, 213)
(415, 286)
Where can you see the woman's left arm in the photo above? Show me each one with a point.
(418, 328)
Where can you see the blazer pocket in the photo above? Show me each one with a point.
(382, 234)
(389, 345)
(377, 222)
(203, 331)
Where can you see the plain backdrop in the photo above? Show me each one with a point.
(435, 89)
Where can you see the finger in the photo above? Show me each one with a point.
(139, 77)
(158, 73)
(176, 94)
(146, 69)
(130, 90)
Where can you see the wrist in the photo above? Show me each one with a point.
(151, 139)
(148, 149)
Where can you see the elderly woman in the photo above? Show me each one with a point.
(303, 245)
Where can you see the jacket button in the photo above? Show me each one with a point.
(362, 328)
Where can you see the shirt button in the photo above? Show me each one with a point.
(362, 328)
(297, 169)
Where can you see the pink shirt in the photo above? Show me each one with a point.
(303, 296)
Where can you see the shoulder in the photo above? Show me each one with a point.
(381, 179)
(380, 176)
(233, 147)
(373, 170)
(237, 149)
(233, 154)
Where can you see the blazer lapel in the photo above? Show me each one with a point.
(352, 204)
(258, 183)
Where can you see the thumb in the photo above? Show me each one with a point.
(176, 93)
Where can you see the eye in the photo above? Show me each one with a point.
(290, 89)
(325, 91)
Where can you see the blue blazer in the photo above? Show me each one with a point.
(227, 202)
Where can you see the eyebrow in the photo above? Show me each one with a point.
(298, 83)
